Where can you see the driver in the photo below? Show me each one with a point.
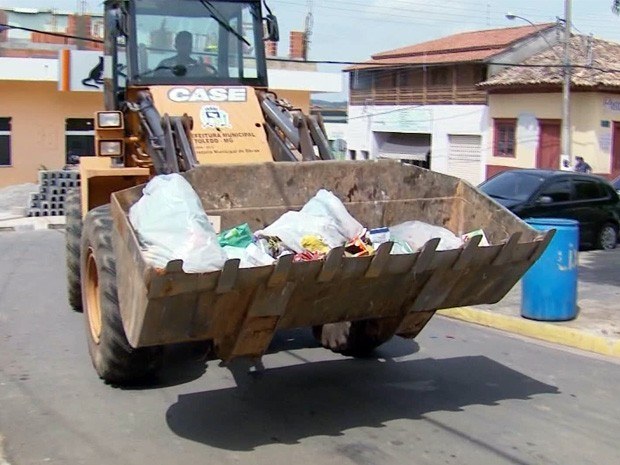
(183, 44)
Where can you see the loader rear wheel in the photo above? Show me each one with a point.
(115, 361)
(73, 237)
(356, 339)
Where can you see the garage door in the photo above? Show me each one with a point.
(465, 158)
(404, 146)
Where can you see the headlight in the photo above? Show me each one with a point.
(109, 119)
(111, 148)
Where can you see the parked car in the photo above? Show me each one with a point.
(616, 184)
(589, 199)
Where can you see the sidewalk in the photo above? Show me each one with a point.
(597, 326)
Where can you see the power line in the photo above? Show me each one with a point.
(369, 65)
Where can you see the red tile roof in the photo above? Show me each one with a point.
(463, 47)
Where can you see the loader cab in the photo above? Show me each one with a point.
(184, 42)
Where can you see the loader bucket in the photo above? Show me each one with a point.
(239, 309)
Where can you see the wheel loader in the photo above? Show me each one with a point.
(186, 92)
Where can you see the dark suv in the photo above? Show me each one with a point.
(587, 198)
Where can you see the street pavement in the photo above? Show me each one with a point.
(460, 394)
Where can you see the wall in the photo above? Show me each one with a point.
(445, 120)
(589, 138)
(38, 113)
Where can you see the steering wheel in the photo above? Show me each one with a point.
(207, 66)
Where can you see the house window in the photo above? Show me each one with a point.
(5, 141)
(505, 141)
(79, 139)
(361, 80)
(403, 78)
(439, 76)
(483, 74)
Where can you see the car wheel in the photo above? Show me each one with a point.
(608, 237)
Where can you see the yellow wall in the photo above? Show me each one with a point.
(590, 139)
(299, 99)
(38, 113)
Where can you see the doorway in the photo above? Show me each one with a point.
(548, 154)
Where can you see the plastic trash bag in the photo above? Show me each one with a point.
(418, 233)
(250, 256)
(291, 227)
(324, 216)
(324, 203)
(172, 225)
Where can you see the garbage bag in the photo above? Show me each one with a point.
(324, 216)
(418, 233)
(324, 203)
(293, 226)
(250, 256)
(171, 224)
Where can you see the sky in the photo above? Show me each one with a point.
(352, 30)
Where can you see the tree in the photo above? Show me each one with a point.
(615, 6)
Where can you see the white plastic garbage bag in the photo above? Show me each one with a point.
(293, 226)
(418, 233)
(172, 225)
(324, 203)
(250, 256)
(324, 215)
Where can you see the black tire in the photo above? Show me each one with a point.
(355, 339)
(73, 238)
(607, 238)
(115, 361)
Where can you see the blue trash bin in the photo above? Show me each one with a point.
(549, 288)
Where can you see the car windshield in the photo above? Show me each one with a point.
(198, 41)
(616, 183)
(512, 185)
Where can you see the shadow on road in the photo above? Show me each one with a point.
(289, 404)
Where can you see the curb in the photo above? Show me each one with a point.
(548, 332)
(32, 224)
(30, 227)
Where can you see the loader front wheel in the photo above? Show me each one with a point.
(115, 361)
(356, 339)
(73, 237)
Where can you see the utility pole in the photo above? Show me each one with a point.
(567, 145)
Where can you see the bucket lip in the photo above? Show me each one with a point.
(551, 222)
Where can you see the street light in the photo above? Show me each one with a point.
(567, 145)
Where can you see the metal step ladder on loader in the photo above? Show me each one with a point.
(207, 113)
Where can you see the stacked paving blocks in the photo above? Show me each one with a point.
(53, 188)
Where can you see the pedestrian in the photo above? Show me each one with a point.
(581, 166)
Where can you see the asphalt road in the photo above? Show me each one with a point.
(464, 395)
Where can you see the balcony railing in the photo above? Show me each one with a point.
(435, 95)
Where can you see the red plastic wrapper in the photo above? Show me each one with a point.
(306, 256)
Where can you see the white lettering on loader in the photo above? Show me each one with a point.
(210, 94)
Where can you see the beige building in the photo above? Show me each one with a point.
(525, 110)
